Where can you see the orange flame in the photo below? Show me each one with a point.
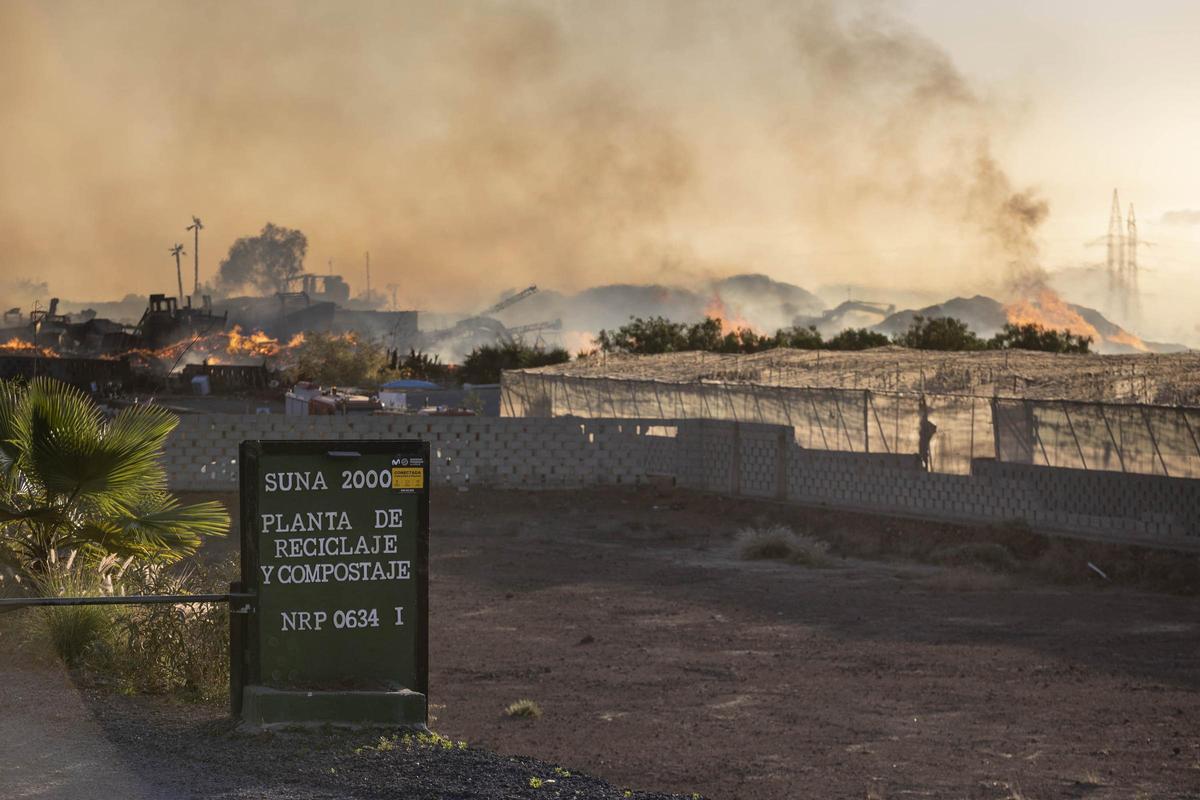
(730, 323)
(255, 343)
(22, 347)
(1052, 312)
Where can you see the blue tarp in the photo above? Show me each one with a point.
(402, 385)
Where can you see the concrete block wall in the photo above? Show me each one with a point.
(764, 461)
(1112, 503)
(743, 459)
(494, 451)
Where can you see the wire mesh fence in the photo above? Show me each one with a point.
(945, 431)
(1144, 439)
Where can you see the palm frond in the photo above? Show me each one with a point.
(39, 514)
(76, 454)
(158, 526)
(11, 424)
(65, 427)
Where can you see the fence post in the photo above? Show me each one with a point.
(1071, 427)
(1116, 444)
(1153, 440)
(996, 426)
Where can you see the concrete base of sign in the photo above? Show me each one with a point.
(264, 707)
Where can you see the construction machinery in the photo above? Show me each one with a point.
(484, 329)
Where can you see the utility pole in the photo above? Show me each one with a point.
(196, 226)
(368, 276)
(177, 251)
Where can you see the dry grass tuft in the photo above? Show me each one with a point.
(523, 709)
(779, 542)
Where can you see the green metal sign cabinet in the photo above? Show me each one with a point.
(335, 548)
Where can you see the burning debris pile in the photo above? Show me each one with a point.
(20, 347)
(1048, 309)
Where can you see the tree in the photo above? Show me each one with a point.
(77, 488)
(332, 359)
(857, 339)
(266, 262)
(800, 338)
(660, 335)
(484, 364)
(421, 366)
(646, 337)
(1032, 336)
(939, 333)
(745, 340)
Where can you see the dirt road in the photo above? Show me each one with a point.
(50, 746)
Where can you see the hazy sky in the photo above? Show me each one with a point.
(1104, 93)
(478, 147)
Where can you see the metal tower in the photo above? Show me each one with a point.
(1116, 246)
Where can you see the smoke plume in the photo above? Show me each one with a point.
(482, 146)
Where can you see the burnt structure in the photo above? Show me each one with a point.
(86, 373)
(225, 378)
(162, 323)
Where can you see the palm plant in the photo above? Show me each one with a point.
(77, 487)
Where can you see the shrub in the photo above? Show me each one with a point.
(857, 339)
(939, 333)
(646, 337)
(1032, 336)
(166, 648)
(72, 631)
(781, 543)
(333, 359)
(523, 709)
(484, 364)
(800, 338)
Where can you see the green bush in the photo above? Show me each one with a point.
(332, 359)
(939, 333)
(800, 338)
(484, 364)
(857, 339)
(1032, 336)
(647, 337)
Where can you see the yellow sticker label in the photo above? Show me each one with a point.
(408, 478)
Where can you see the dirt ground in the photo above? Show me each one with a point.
(663, 661)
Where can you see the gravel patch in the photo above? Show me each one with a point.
(185, 751)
